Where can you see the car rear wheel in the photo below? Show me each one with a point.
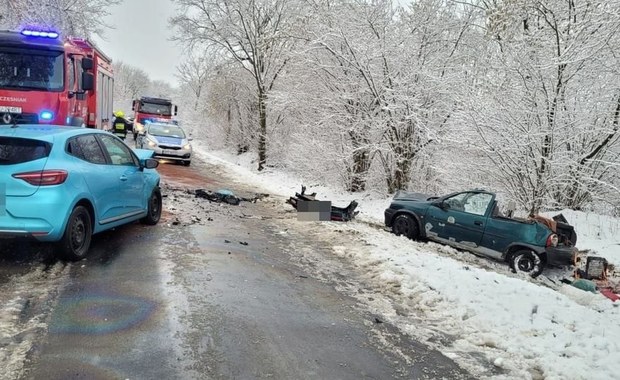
(78, 233)
(526, 261)
(154, 210)
(405, 225)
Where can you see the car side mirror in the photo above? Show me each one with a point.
(442, 205)
(151, 163)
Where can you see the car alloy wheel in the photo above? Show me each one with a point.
(526, 261)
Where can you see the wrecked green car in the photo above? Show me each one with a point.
(472, 221)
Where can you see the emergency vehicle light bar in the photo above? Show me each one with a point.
(39, 33)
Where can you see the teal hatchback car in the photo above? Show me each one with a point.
(64, 184)
(471, 220)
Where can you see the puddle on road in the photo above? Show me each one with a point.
(99, 314)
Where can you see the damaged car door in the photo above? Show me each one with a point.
(461, 218)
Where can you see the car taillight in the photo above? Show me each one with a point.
(43, 177)
(552, 240)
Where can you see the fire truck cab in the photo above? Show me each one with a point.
(149, 109)
(44, 80)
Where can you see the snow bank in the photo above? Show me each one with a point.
(522, 327)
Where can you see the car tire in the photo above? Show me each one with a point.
(154, 208)
(526, 261)
(186, 163)
(77, 236)
(404, 224)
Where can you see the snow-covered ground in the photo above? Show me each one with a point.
(526, 328)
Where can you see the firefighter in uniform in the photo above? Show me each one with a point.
(120, 126)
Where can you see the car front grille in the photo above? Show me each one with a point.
(171, 147)
(19, 118)
(163, 155)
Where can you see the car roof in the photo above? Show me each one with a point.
(44, 132)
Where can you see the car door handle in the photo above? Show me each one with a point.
(478, 223)
(123, 178)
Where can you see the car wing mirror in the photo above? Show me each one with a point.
(441, 204)
(150, 163)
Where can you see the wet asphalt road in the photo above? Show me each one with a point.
(214, 292)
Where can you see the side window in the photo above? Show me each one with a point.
(477, 203)
(74, 149)
(89, 149)
(119, 152)
(71, 74)
(456, 202)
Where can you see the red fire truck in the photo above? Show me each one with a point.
(44, 80)
(147, 109)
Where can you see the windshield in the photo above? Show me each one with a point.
(32, 69)
(159, 109)
(167, 130)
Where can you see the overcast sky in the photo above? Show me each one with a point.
(141, 37)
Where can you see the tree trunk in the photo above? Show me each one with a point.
(262, 135)
(361, 160)
(359, 170)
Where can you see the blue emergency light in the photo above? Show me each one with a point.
(46, 115)
(40, 33)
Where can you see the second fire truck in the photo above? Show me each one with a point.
(148, 109)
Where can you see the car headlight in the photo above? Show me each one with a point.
(151, 141)
(187, 147)
(552, 240)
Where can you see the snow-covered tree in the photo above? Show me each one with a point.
(79, 18)
(193, 73)
(253, 33)
(544, 99)
(130, 83)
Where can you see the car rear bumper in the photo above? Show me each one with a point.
(37, 217)
(561, 255)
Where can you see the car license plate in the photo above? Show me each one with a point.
(10, 109)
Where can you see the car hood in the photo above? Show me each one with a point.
(168, 140)
(143, 154)
(409, 196)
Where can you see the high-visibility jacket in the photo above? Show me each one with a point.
(120, 125)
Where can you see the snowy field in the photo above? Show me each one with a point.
(526, 328)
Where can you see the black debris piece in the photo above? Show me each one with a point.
(226, 196)
(341, 214)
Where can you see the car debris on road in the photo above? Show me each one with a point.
(340, 214)
(226, 196)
